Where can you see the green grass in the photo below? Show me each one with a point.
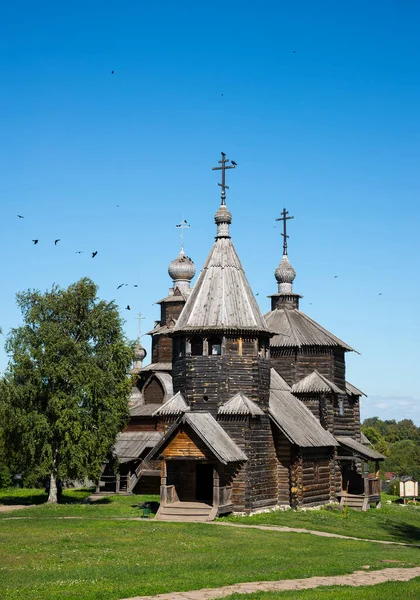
(391, 522)
(43, 558)
(73, 503)
(396, 590)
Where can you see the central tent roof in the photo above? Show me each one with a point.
(222, 298)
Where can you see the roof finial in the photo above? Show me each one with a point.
(284, 218)
(183, 225)
(223, 168)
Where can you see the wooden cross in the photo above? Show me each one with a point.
(183, 225)
(284, 218)
(139, 318)
(223, 168)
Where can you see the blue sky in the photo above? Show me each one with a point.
(318, 103)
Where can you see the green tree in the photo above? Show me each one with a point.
(404, 459)
(376, 439)
(66, 389)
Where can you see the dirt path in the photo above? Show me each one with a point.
(356, 579)
(9, 507)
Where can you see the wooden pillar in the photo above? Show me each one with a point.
(240, 346)
(163, 481)
(216, 489)
(188, 347)
(117, 484)
(205, 347)
(366, 478)
(377, 474)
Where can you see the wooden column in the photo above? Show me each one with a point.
(205, 347)
(216, 489)
(163, 481)
(117, 484)
(188, 347)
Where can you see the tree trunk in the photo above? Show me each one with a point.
(52, 496)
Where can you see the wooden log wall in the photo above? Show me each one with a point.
(161, 348)
(206, 382)
(142, 424)
(255, 484)
(316, 476)
(284, 460)
(293, 364)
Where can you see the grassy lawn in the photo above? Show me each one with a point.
(391, 522)
(407, 590)
(104, 559)
(98, 553)
(72, 504)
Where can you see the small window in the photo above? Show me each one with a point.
(205, 398)
(215, 346)
(196, 346)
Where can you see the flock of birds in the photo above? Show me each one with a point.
(94, 253)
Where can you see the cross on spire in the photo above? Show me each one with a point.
(223, 168)
(183, 225)
(284, 218)
(139, 318)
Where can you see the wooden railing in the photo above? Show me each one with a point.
(225, 496)
(168, 494)
(374, 487)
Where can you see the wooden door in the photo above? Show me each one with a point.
(204, 483)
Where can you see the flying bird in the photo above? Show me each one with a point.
(120, 286)
(56, 242)
(112, 72)
(79, 251)
(35, 242)
(335, 276)
(128, 307)
(135, 285)
(294, 51)
(94, 253)
(234, 163)
(21, 216)
(380, 294)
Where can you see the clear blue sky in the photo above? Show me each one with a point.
(318, 103)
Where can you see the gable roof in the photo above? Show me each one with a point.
(240, 405)
(130, 444)
(295, 329)
(295, 420)
(365, 440)
(222, 299)
(174, 406)
(360, 449)
(210, 432)
(277, 382)
(353, 391)
(143, 410)
(315, 383)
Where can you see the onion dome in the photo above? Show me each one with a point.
(182, 270)
(139, 352)
(285, 275)
(223, 219)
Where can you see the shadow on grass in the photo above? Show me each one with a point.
(404, 532)
(24, 500)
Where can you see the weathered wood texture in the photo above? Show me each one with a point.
(162, 343)
(208, 381)
(161, 348)
(284, 461)
(255, 485)
(316, 477)
(186, 444)
(153, 392)
(293, 364)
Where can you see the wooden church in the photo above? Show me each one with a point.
(240, 412)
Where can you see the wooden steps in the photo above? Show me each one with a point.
(186, 512)
(355, 501)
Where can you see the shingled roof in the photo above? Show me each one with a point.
(294, 419)
(130, 444)
(210, 432)
(174, 406)
(295, 329)
(315, 383)
(240, 405)
(222, 299)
